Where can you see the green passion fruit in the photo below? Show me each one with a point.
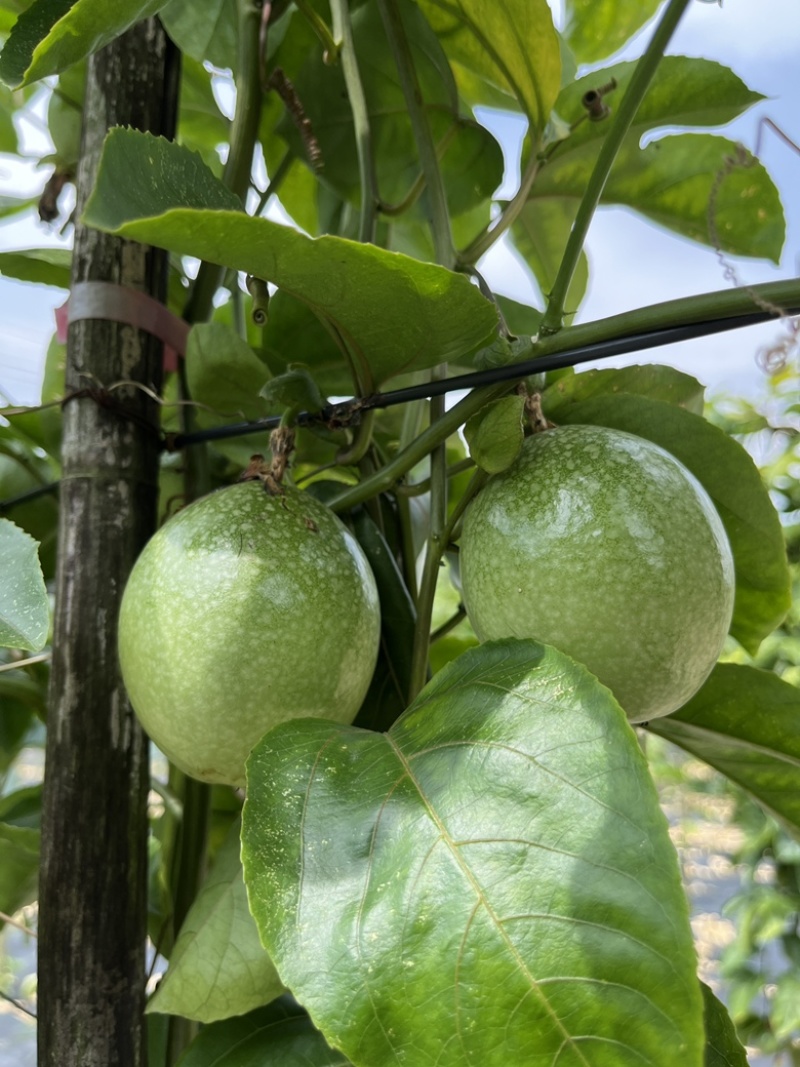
(602, 544)
(243, 611)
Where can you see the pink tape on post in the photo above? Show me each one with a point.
(117, 303)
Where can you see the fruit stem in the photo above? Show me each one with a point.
(436, 434)
(629, 105)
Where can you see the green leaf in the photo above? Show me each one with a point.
(46, 266)
(19, 866)
(495, 433)
(596, 28)
(731, 479)
(387, 696)
(723, 1047)
(512, 44)
(218, 967)
(294, 389)
(224, 374)
(394, 313)
(746, 723)
(652, 380)
(673, 179)
(470, 159)
(24, 607)
(206, 32)
(280, 1035)
(540, 235)
(492, 881)
(51, 35)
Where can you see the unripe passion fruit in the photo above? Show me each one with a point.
(604, 545)
(243, 611)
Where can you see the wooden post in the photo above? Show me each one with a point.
(93, 891)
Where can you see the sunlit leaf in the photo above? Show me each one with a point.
(674, 179)
(24, 605)
(492, 881)
(51, 35)
(746, 723)
(218, 967)
(540, 235)
(512, 44)
(428, 315)
(595, 29)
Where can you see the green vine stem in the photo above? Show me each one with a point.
(244, 133)
(484, 241)
(401, 51)
(343, 33)
(320, 28)
(434, 551)
(187, 862)
(629, 105)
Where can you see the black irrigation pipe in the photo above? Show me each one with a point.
(343, 413)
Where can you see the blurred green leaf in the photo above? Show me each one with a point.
(218, 967)
(279, 1035)
(732, 480)
(428, 315)
(19, 866)
(46, 266)
(295, 389)
(451, 878)
(51, 35)
(206, 32)
(745, 723)
(511, 44)
(224, 374)
(24, 605)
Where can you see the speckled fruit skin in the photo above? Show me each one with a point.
(243, 611)
(604, 545)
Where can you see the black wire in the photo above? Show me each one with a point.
(344, 412)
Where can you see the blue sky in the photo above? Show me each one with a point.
(632, 262)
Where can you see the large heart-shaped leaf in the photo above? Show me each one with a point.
(491, 881)
(733, 482)
(512, 44)
(280, 1035)
(218, 967)
(51, 35)
(745, 722)
(392, 313)
(24, 607)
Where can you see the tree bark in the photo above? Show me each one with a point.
(93, 890)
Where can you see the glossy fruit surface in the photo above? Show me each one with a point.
(604, 545)
(242, 611)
